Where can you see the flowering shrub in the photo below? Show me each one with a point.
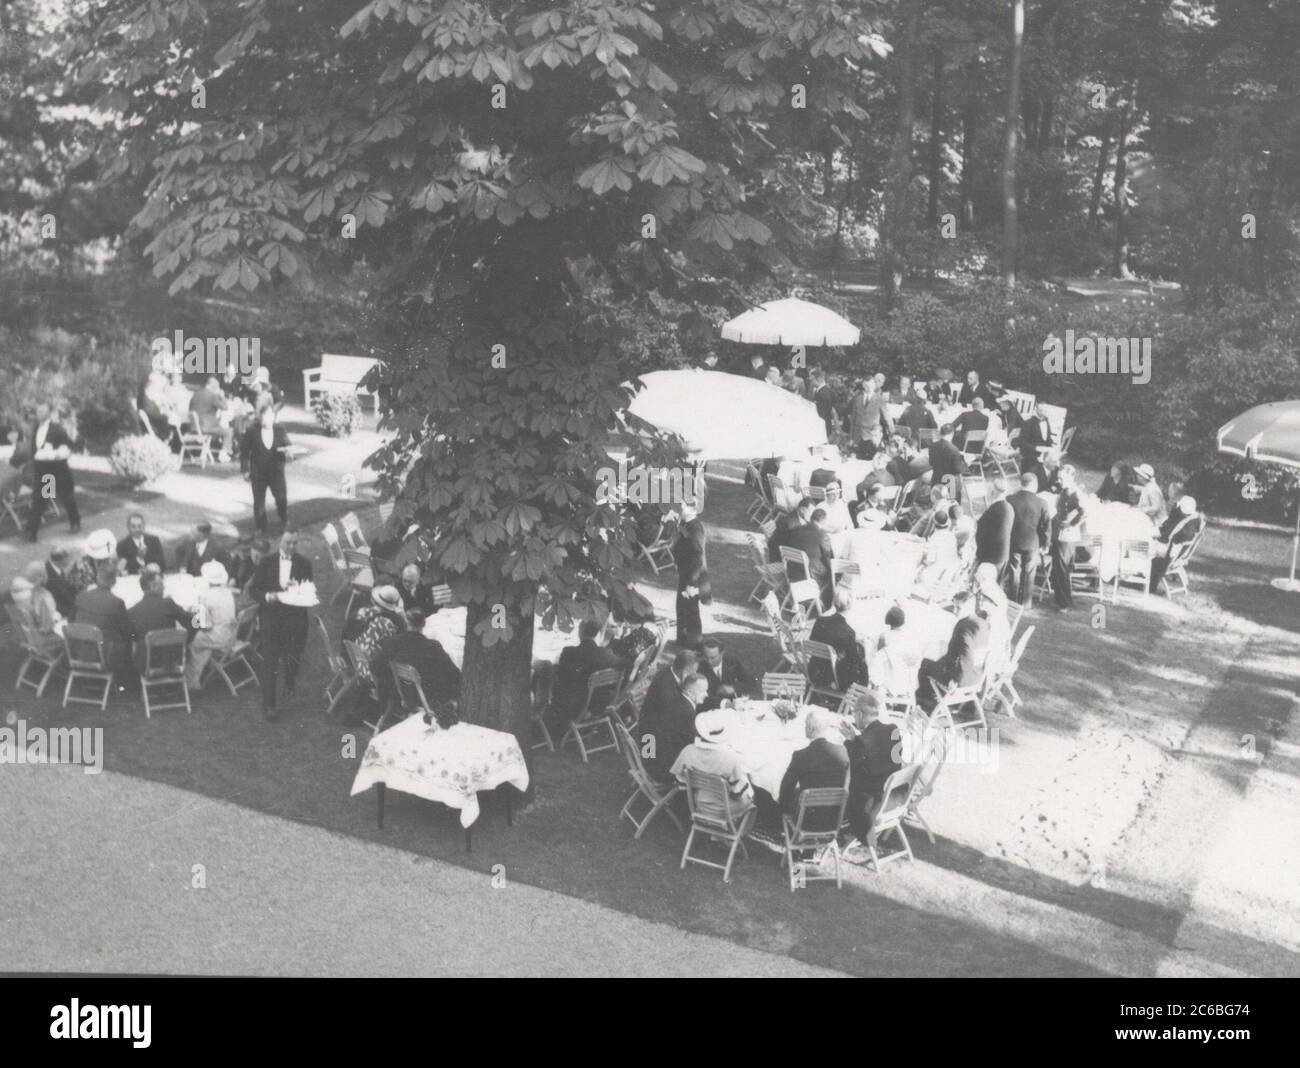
(337, 413)
(142, 459)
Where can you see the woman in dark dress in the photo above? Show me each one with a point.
(1118, 484)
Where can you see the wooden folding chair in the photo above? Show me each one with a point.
(47, 656)
(1015, 613)
(715, 816)
(87, 663)
(196, 444)
(889, 815)
(9, 509)
(236, 666)
(820, 651)
(658, 795)
(975, 492)
(801, 588)
(335, 549)
(360, 661)
(342, 678)
(972, 452)
(814, 831)
(933, 751)
(958, 707)
(596, 715)
(354, 535)
(1180, 555)
(1133, 568)
(1001, 689)
(659, 553)
(784, 686)
(408, 690)
(854, 700)
(770, 575)
(164, 669)
(361, 581)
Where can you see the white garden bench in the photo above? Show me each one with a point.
(338, 374)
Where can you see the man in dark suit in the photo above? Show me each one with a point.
(1185, 524)
(824, 398)
(813, 539)
(963, 663)
(786, 522)
(726, 675)
(974, 388)
(154, 611)
(439, 675)
(199, 550)
(993, 529)
(56, 581)
(577, 664)
(946, 461)
(261, 459)
(139, 548)
(415, 593)
(874, 755)
(282, 628)
(1030, 531)
(50, 446)
(822, 763)
(908, 464)
(671, 727)
(693, 587)
(973, 420)
(916, 416)
(666, 682)
(834, 630)
(1034, 432)
(757, 369)
(98, 606)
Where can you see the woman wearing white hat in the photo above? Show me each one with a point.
(214, 615)
(1151, 501)
(1185, 524)
(98, 547)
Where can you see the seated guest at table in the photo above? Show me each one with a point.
(904, 393)
(874, 755)
(758, 367)
(824, 397)
(154, 611)
(832, 628)
(791, 381)
(214, 615)
(37, 609)
(822, 764)
(726, 675)
(664, 687)
(1118, 484)
(1151, 501)
(945, 388)
(576, 665)
(908, 463)
(710, 755)
(1011, 419)
(263, 390)
(672, 727)
(940, 557)
(153, 401)
(207, 404)
(1034, 432)
(916, 416)
(837, 512)
(99, 548)
(993, 528)
(247, 559)
(894, 664)
(972, 389)
(100, 607)
(139, 548)
(878, 475)
(816, 543)
(1031, 528)
(58, 580)
(919, 519)
(946, 461)
(414, 593)
(1047, 470)
(1184, 524)
(786, 522)
(963, 663)
(1174, 492)
(370, 627)
(439, 675)
(874, 514)
(199, 550)
(973, 420)
(1067, 527)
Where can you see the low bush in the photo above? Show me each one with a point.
(337, 413)
(142, 459)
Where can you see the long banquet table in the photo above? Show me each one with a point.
(1113, 522)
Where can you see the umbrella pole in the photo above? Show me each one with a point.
(1289, 584)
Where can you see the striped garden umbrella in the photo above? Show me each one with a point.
(1270, 434)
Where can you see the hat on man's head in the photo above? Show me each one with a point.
(941, 520)
(101, 545)
(1145, 472)
(214, 573)
(711, 724)
(1187, 504)
(387, 598)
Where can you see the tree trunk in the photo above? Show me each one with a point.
(496, 683)
(1099, 175)
(1009, 238)
(936, 144)
(969, 129)
(1119, 261)
(894, 210)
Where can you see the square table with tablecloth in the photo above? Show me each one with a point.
(449, 765)
(889, 561)
(182, 588)
(1114, 522)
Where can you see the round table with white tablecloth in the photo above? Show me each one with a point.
(927, 630)
(447, 627)
(946, 413)
(763, 742)
(889, 561)
(181, 588)
(797, 474)
(1114, 522)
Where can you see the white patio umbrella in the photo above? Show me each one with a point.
(1269, 433)
(728, 417)
(791, 322)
